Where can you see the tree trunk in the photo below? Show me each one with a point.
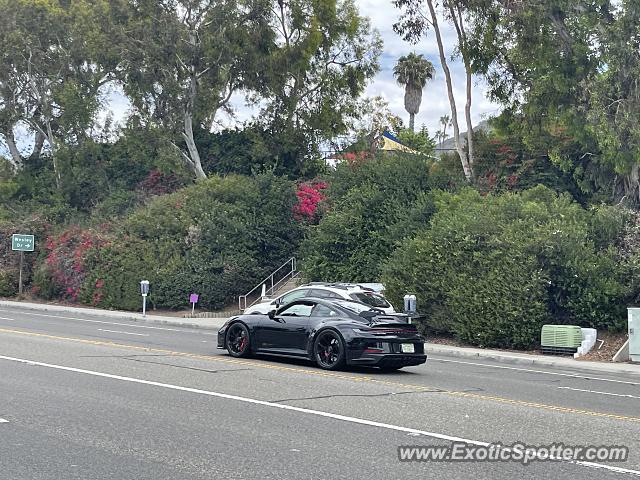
(462, 41)
(194, 156)
(16, 158)
(52, 144)
(412, 101)
(194, 161)
(467, 113)
(37, 147)
(627, 187)
(452, 102)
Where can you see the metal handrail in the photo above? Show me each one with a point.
(288, 277)
(242, 299)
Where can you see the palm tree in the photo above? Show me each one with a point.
(412, 71)
(445, 121)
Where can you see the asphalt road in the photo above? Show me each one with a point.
(94, 398)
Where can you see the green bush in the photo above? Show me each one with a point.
(10, 260)
(373, 205)
(217, 238)
(491, 270)
(115, 272)
(8, 283)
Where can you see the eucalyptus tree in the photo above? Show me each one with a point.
(50, 71)
(325, 53)
(184, 59)
(565, 71)
(412, 71)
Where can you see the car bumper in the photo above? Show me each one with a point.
(221, 333)
(389, 360)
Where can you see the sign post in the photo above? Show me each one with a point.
(144, 291)
(193, 298)
(22, 243)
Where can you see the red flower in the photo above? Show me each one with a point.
(309, 199)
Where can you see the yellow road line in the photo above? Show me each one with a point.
(323, 373)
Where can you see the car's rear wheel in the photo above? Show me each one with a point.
(238, 340)
(329, 350)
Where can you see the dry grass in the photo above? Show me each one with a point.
(612, 343)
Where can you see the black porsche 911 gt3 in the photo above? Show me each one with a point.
(330, 332)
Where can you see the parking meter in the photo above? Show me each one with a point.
(410, 306)
(144, 291)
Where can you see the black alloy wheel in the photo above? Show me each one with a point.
(328, 350)
(238, 340)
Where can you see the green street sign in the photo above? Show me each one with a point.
(22, 243)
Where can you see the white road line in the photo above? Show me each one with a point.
(2, 420)
(92, 321)
(600, 393)
(572, 375)
(126, 333)
(319, 413)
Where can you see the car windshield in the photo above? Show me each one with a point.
(371, 299)
(353, 306)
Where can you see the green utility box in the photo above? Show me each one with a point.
(561, 339)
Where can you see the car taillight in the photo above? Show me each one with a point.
(376, 331)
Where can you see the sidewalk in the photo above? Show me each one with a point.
(525, 359)
(206, 323)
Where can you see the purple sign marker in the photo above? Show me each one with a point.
(193, 298)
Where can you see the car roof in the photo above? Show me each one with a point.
(346, 287)
(330, 302)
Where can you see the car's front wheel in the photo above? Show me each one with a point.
(329, 350)
(238, 340)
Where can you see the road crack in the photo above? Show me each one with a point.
(355, 395)
(186, 367)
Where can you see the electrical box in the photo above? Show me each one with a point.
(560, 339)
(634, 334)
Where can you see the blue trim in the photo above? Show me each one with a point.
(391, 137)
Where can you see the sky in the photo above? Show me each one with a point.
(434, 99)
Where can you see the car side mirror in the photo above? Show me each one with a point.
(272, 314)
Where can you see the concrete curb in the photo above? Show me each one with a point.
(204, 323)
(524, 359)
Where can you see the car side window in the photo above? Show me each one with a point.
(320, 293)
(297, 310)
(291, 296)
(323, 311)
